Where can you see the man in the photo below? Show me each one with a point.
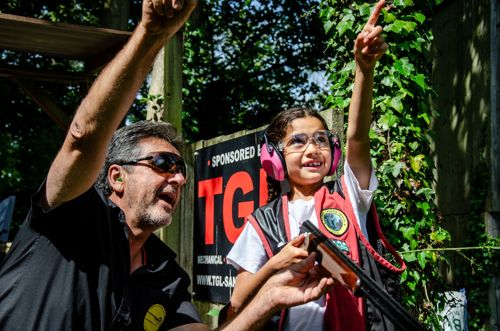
(86, 259)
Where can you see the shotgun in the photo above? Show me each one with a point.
(351, 276)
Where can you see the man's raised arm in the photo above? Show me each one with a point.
(82, 155)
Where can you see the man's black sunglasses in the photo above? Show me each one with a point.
(163, 162)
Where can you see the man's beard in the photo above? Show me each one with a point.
(152, 216)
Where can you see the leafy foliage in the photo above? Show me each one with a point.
(400, 136)
(247, 60)
(85, 12)
(29, 138)
(484, 260)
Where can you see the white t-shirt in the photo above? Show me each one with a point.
(249, 254)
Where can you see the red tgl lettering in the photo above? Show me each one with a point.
(208, 189)
(239, 180)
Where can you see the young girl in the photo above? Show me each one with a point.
(297, 147)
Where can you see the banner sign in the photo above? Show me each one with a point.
(229, 185)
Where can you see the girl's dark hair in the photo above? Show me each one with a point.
(276, 132)
(124, 146)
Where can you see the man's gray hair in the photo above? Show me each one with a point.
(124, 146)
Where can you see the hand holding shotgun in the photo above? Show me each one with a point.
(351, 276)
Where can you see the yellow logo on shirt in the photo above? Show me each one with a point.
(154, 317)
(334, 221)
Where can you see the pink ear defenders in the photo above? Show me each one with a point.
(271, 159)
(274, 164)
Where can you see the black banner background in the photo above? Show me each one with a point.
(229, 185)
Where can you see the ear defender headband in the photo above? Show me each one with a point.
(273, 161)
(336, 150)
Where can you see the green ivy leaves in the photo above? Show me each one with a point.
(400, 134)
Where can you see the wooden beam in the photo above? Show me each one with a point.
(116, 14)
(95, 63)
(71, 41)
(24, 73)
(44, 102)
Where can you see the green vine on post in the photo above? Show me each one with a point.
(400, 137)
(480, 264)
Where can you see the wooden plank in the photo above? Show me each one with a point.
(26, 34)
(186, 223)
(43, 75)
(155, 107)
(495, 107)
(44, 102)
(166, 84)
(173, 81)
(116, 14)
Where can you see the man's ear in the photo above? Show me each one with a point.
(115, 178)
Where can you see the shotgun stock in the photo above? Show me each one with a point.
(350, 275)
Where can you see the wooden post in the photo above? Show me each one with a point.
(44, 102)
(166, 105)
(116, 14)
(166, 84)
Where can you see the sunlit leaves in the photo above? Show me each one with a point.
(387, 120)
(400, 132)
(439, 236)
(417, 162)
(247, 60)
(345, 24)
(404, 66)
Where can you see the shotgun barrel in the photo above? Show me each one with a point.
(350, 275)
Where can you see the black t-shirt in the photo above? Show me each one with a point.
(68, 269)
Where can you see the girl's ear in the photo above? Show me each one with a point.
(116, 176)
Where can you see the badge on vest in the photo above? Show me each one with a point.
(334, 221)
(154, 317)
